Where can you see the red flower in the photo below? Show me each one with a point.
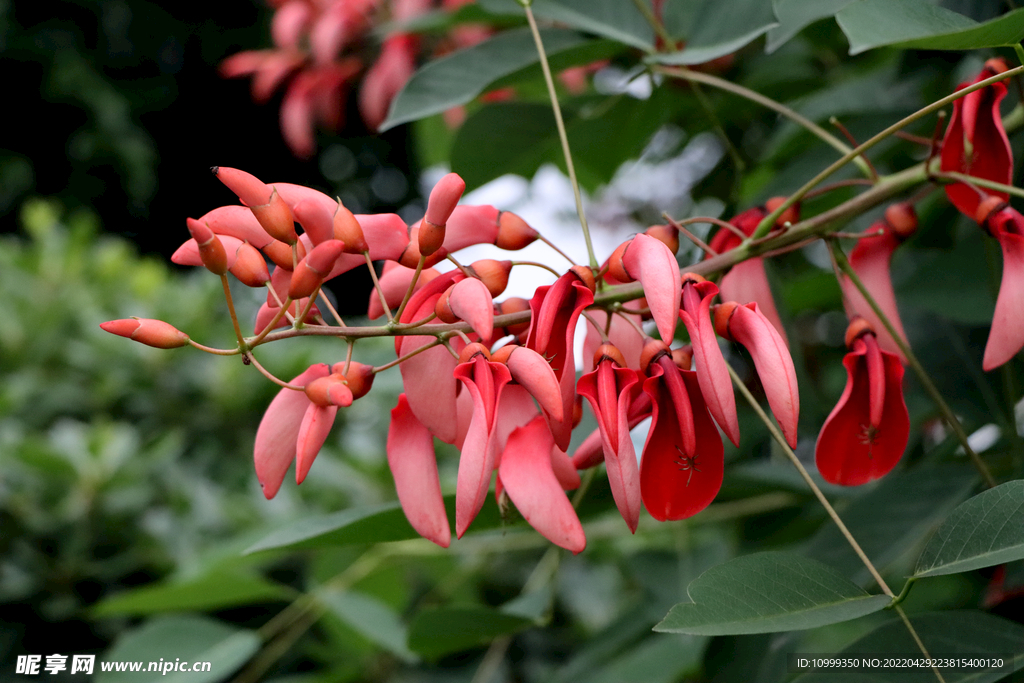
(866, 433)
(611, 390)
(976, 142)
(1007, 335)
(683, 460)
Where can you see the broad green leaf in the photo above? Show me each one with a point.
(186, 638)
(966, 298)
(373, 524)
(768, 592)
(459, 77)
(507, 137)
(899, 513)
(922, 25)
(212, 591)
(795, 15)
(438, 632)
(371, 618)
(944, 634)
(721, 28)
(986, 530)
(612, 19)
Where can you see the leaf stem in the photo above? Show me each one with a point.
(560, 124)
(376, 286)
(953, 176)
(926, 381)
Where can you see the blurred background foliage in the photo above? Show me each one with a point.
(127, 499)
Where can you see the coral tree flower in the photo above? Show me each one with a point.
(611, 389)
(650, 261)
(683, 462)
(866, 433)
(871, 259)
(712, 372)
(556, 309)
(1007, 334)
(975, 142)
(484, 379)
(748, 326)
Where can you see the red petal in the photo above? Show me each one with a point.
(652, 263)
(674, 485)
(313, 432)
(279, 430)
(747, 282)
(850, 451)
(414, 468)
(471, 301)
(715, 383)
(532, 486)
(1007, 334)
(871, 260)
(774, 365)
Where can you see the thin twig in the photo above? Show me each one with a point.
(376, 285)
(689, 235)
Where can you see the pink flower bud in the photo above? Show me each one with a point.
(155, 333)
(249, 266)
(211, 251)
(348, 230)
(312, 270)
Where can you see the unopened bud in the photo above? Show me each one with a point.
(281, 254)
(431, 237)
(312, 270)
(515, 304)
(987, 207)
(315, 220)
(277, 219)
(211, 250)
(443, 199)
(327, 391)
(683, 357)
(611, 353)
(443, 309)
(250, 189)
(902, 218)
(359, 377)
(494, 274)
(790, 215)
(249, 266)
(667, 234)
(513, 232)
(616, 267)
(155, 333)
(348, 230)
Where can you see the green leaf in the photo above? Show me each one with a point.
(373, 524)
(893, 518)
(658, 659)
(508, 137)
(795, 15)
(614, 19)
(371, 618)
(459, 77)
(721, 28)
(186, 638)
(438, 632)
(986, 530)
(920, 24)
(944, 634)
(768, 592)
(212, 591)
(966, 298)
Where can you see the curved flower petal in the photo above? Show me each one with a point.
(529, 369)
(530, 482)
(485, 380)
(471, 301)
(414, 467)
(676, 484)
(747, 282)
(871, 259)
(279, 429)
(715, 383)
(853, 448)
(1007, 334)
(651, 262)
(316, 425)
(774, 365)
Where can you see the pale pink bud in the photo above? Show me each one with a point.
(155, 333)
(315, 220)
(249, 266)
(211, 251)
(312, 270)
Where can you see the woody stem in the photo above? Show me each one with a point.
(560, 124)
(926, 381)
(777, 435)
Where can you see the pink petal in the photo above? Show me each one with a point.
(747, 282)
(471, 301)
(532, 486)
(188, 253)
(532, 371)
(774, 365)
(871, 260)
(316, 426)
(279, 430)
(651, 262)
(469, 225)
(712, 373)
(565, 472)
(1007, 334)
(237, 221)
(414, 468)
(316, 220)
